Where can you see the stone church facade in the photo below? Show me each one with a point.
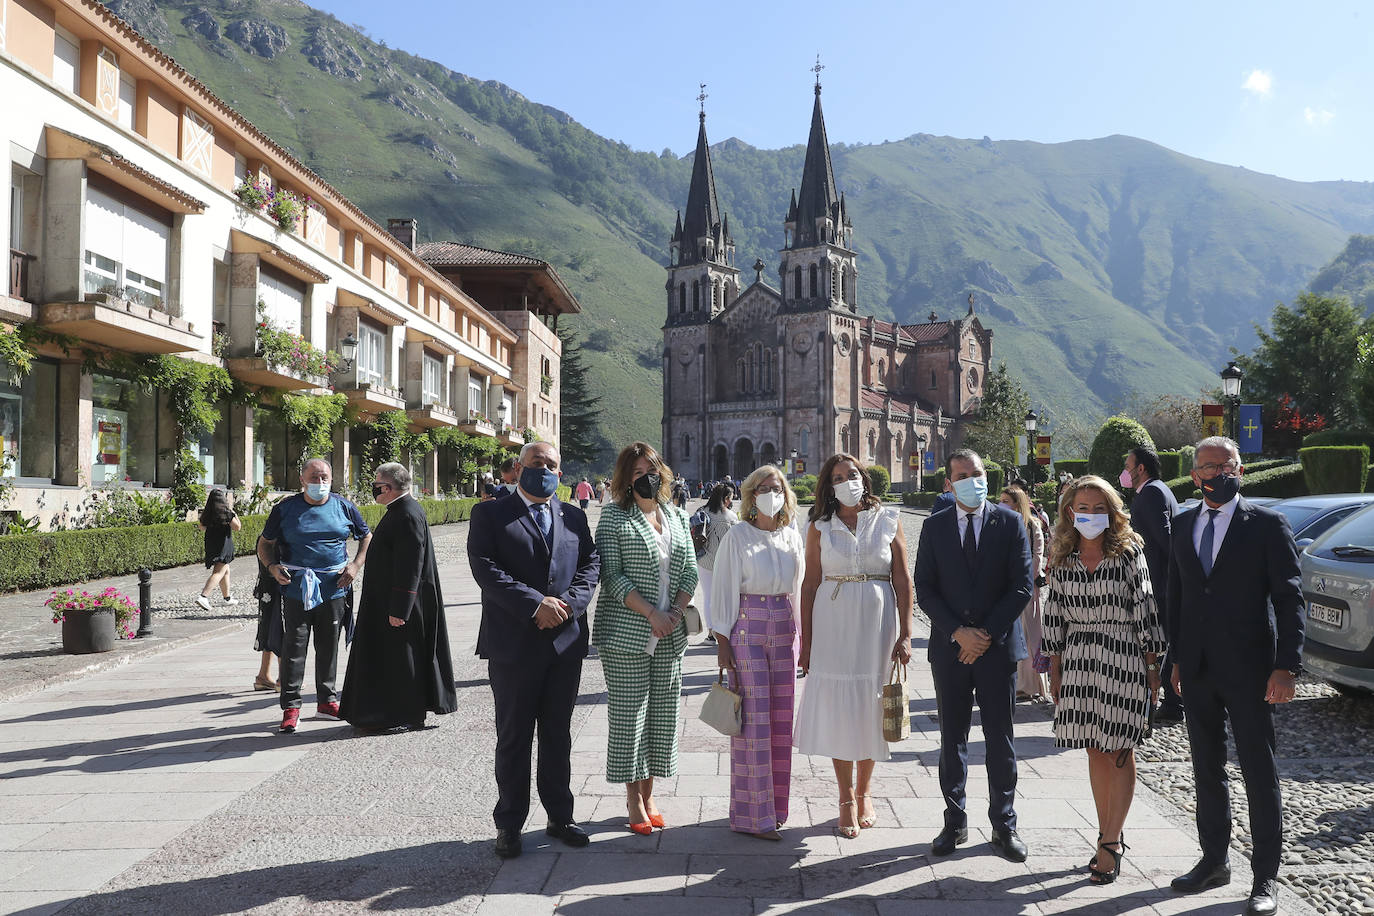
(751, 374)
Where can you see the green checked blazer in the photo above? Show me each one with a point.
(629, 561)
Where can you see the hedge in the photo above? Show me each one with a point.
(1170, 465)
(1183, 487)
(1116, 437)
(996, 478)
(934, 482)
(881, 479)
(1076, 467)
(60, 558)
(1369, 481)
(1335, 468)
(919, 500)
(1281, 482)
(1254, 467)
(1339, 437)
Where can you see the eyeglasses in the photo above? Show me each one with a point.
(768, 488)
(1209, 469)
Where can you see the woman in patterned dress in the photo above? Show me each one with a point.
(1029, 682)
(1103, 636)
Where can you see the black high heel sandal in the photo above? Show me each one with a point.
(1107, 877)
(1093, 860)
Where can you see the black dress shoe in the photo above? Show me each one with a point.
(570, 834)
(1010, 845)
(1264, 898)
(1204, 875)
(947, 839)
(508, 844)
(1168, 714)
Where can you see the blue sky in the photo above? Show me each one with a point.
(1275, 87)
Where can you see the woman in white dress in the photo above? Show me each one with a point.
(856, 604)
(720, 517)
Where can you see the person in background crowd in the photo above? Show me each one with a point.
(605, 491)
(717, 517)
(1030, 682)
(510, 474)
(584, 493)
(648, 573)
(753, 614)
(1104, 639)
(973, 579)
(489, 488)
(400, 668)
(1152, 517)
(533, 558)
(944, 500)
(317, 585)
(1235, 613)
(855, 626)
(219, 521)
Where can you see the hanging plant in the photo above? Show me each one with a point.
(386, 439)
(14, 349)
(313, 418)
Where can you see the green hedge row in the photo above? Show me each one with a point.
(1339, 437)
(1170, 465)
(1335, 468)
(1281, 482)
(1076, 467)
(1254, 467)
(61, 558)
(919, 500)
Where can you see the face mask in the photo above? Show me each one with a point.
(850, 492)
(769, 504)
(1091, 526)
(319, 492)
(1220, 489)
(971, 491)
(377, 490)
(541, 483)
(1127, 482)
(646, 485)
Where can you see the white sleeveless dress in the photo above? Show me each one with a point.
(852, 635)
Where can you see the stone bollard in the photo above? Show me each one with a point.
(145, 602)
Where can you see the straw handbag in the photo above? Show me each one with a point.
(896, 709)
(721, 710)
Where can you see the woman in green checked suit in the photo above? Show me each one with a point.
(648, 574)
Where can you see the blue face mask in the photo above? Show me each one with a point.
(319, 492)
(541, 483)
(971, 491)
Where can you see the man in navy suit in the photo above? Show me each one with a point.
(535, 560)
(1235, 617)
(973, 580)
(1152, 516)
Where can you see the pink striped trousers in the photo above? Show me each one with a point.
(761, 754)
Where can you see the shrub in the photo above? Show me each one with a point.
(1169, 466)
(1047, 498)
(919, 500)
(805, 487)
(1116, 437)
(881, 478)
(996, 478)
(1369, 481)
(1339, 437)
(1183, 487)
(1335, 468)
(1254, 467)
(1077, 467)
(934, 482)
(1281, 482)
(1185, 459)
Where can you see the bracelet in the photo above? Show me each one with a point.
(1152, 666)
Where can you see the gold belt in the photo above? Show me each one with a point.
(862, 577)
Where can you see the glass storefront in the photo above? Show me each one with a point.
(28, 421)
(271, 450)
(129, 427)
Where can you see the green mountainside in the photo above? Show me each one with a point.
(1108, 268)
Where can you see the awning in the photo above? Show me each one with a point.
(369, 308)
(102, 160)
(243, 243)
(415, 335)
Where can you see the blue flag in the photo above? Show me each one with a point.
(1249, 430)
(930, 463)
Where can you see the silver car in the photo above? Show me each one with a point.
(1338, 581)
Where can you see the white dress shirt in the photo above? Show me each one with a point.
(1219, 528)
(979, 516)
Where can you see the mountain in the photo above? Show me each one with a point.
(1350, 273)
(1108, 268)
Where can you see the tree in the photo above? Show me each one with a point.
(1312, 352)
(582, 442)
(1116, 437)
(1001, 417)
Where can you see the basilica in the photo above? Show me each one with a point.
(757, 375)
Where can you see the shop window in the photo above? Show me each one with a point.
(272, 464)
(28, 421)
(215, 447)
(125, 432)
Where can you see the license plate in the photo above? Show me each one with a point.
(1330, 616)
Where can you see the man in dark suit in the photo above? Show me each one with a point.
(536, 563)
(1235, 621)
(973, 580)
(1152, 516)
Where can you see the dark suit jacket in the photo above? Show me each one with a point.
(1245, 620)
(1152, 515)
(992, 596)
(512, 566)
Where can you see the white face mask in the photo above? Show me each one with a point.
(769, 504)
(850, 492)
(1091, 526)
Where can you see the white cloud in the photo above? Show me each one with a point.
(1317, 117)
(1259, 82)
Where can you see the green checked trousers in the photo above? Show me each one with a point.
(644, 698)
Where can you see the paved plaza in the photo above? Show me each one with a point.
(160, 785)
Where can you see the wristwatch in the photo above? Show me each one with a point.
(1296, 672)
(1152, 666)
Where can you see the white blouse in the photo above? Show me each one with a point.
(664, 537)
(754, 562)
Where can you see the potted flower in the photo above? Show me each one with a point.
(90, 623)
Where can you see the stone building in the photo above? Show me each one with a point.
(751, 374)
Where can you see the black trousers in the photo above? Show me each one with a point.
(534, 694)
(323, 621)
(1207, 703)
(992, 682)
(1171, 697)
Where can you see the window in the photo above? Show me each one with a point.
(768, 370)
(475, 400)
(882, 372)
(127, 101)
(124, 431)
(16, 213)
(371, 359)
(933, 383)
(126, 253)
(835, 282)
(972, 349)
(804, 441)
(284, 299)
(272, 464)
(739, 364)
(686, 446)
(432, 384)
(66, 61)
(696, 295)
(715, 294)
(28, 420)
(796, 283)
(814, 292)
(682, 297)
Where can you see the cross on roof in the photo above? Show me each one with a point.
(701, 98)
(817, 70)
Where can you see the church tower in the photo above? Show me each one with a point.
(819, 266)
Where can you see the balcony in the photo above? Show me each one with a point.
(255, 370)
(477, 425)
(510, 437)
(117, 323)
(374, 399)
(20, 266)
(431, 415)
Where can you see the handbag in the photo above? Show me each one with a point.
(1040, 662)
(721, 710)
(896, 706)
(692, 618)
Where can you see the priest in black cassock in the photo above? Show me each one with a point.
(400, 668)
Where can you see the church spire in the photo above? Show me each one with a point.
(702, 236)
(818, 201)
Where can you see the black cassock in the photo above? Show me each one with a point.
(398, 674)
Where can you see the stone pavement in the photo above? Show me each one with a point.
(161, 785)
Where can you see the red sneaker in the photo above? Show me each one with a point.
(327, 711)
(289, 718)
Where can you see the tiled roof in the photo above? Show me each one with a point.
(870, 399)
(926, 331)
(456, 254)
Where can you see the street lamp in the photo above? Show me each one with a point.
(1030, 422)
(501, 414)
(348, 349)
(1230, 390)
(920, 460)
(793, 467)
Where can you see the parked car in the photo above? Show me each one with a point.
(1256, 500)
(1338, 581)
(1311, 516)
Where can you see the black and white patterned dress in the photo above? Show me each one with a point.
(1101, 624)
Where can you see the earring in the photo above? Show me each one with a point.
(752, 514)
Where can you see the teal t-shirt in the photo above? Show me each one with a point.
(316, 536)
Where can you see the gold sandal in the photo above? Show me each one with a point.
(868, 822)
(848, 833)
(262, 683)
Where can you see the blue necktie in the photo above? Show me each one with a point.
(544, 521)
(1208, 535)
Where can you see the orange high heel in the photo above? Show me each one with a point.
(657, 821)
(644, 829)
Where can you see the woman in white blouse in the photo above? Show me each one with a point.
(752, 612)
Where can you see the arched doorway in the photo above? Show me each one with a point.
(768, 455)
(721, 462)
(744, 458)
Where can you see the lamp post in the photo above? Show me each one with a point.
(921, 441)
(1230, 390)
(1030, 422)
(348, 349)
(793, 468)
(501, 415)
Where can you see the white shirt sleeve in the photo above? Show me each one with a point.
(722, 611)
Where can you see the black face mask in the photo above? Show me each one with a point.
(1220, 489)
(378, 489)
(646, 485)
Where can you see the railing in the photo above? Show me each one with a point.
(19, 274)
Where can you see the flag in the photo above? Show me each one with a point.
(1042, 450)
(1020, 451)
(1211, 420)
(1249, 430)
(913, 460)
(930, 463)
